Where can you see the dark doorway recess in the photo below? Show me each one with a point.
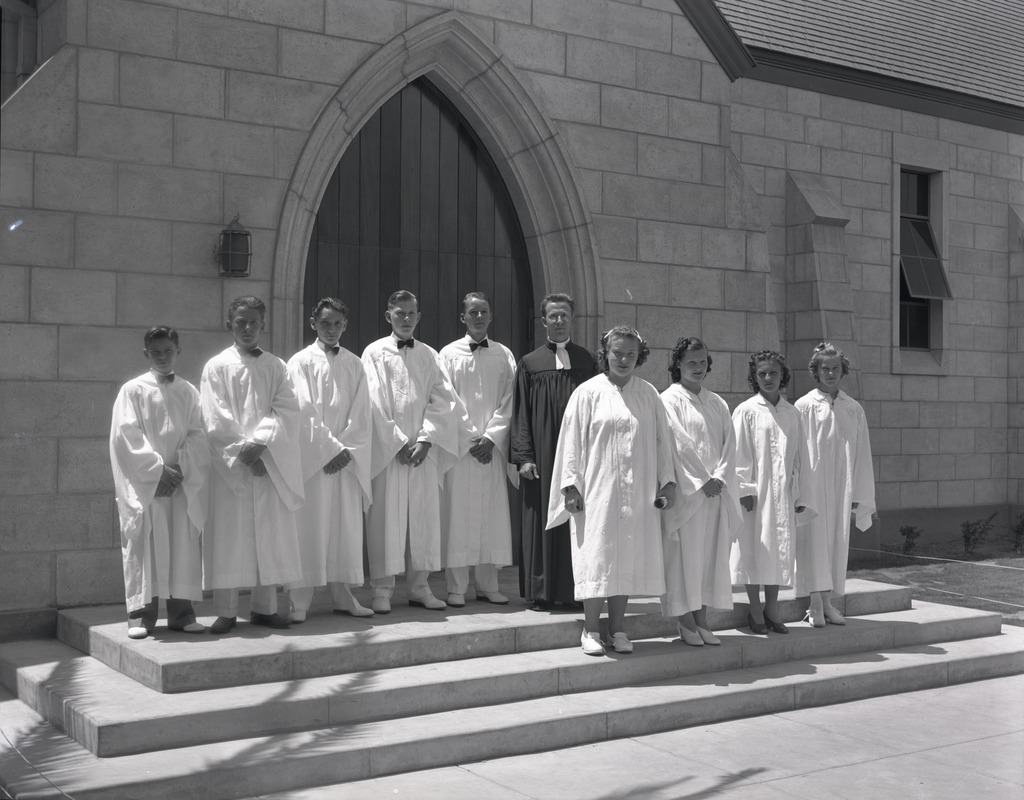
(416, 203)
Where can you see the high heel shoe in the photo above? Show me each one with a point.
(756, 627)
(692, 638)
(832, 614)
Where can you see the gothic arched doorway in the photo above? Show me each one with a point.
(417, 203)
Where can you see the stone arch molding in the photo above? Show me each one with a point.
(523, 144)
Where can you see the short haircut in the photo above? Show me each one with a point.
(329, 302)
(621, 332)
(474, 295)
(825, 350)
(401, 296)
(767, 355)
(557, 297)
(160, 332)
(685, 343)
(247, 301)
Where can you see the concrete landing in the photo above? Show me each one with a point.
(333, 644)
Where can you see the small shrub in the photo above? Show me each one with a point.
(974, 532)
(1018, 534)
(910, 534)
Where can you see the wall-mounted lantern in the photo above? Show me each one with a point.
(235, 251)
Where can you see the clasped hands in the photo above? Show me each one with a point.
(251, 455)
(413, 454)
(170, 480)
(482, 449)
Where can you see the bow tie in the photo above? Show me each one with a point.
(333, 349)
(474, 345)
(405, 343)
(554, 346)
(162, 378)
(256, 352)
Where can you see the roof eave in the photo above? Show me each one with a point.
(772, 66)
(720, 37)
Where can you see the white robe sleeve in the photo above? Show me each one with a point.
(194, 462)
(387, 436)
(498, 426)
(357, 433)
(863, 475)
(318, 443)
(570, 465)
(746, 454)
(134, 462)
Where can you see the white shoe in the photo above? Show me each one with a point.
(456, 600)
(832, 614)
(138, 632)
(692, 638)
(621, 643)
(297, 616)
(592, 644)
(427, 601)
(381, 605)
(707, 636)
(497, 598)
(815, 617)
(346, 602)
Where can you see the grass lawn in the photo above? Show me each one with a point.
(991, 578)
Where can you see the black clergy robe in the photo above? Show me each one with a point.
(541, 394)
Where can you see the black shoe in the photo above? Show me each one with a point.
(222, 625)
(776, 627)
(542, 605)
(756, 627)
(270, 620)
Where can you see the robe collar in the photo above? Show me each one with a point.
(825, 397)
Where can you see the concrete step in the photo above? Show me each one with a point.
(329, 644)
(264, 764)
(113, 715)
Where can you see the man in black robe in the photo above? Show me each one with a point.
(544, 380)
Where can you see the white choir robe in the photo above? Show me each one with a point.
(335, 410)
(154, 424)
(615, 447)
(475, 523)
(839, 473)
(251, 537)
(769, 444)
(410, 401)
(698, 533)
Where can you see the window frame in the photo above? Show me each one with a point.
(936, 357)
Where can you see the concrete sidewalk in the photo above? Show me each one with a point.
(956, 742)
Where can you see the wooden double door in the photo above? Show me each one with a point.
(417, 203)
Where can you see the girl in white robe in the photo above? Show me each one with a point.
(613, 471)
(698, 535)
(160, 462)
(841, 479)
(330, 385)
(768, 464)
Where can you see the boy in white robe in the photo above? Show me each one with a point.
(697, 541)
(415, 440)
(769, 445)
(841, 479)
(613, 474)
(330, 385)
(476, 530)
(252, 423)
(160, 461)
